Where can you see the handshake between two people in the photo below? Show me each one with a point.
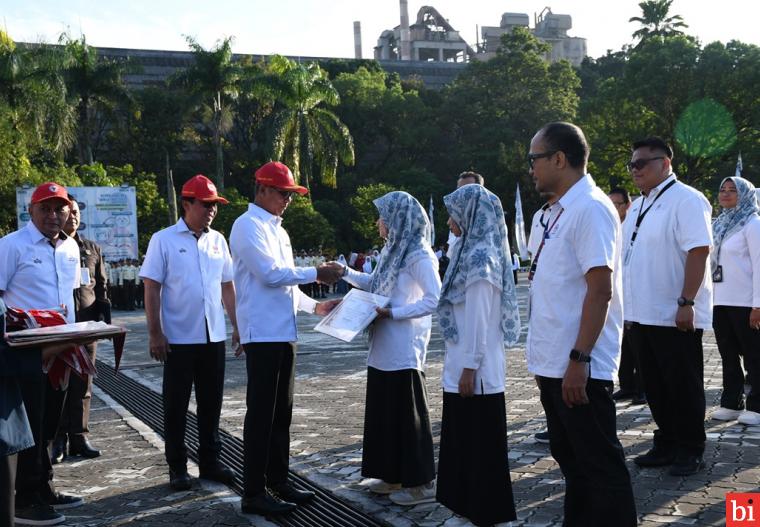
(330, 272)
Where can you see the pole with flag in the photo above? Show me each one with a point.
(739, 166)
(432, 221)
(522, 243)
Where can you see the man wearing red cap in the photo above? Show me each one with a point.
(39, 269)
(268, 300)
(187, 275)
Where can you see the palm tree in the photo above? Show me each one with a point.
(94, 86)
(212, 82)
(655, 21)
(304, 133)
(33, 90)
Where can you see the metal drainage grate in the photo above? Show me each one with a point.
(324, 510)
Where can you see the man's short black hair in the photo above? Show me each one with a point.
(474, 175)
(620, 191)
(655, 143)
(569, 139)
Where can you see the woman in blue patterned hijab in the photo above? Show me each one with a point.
(482, 254)
(398, 441)
(478, 313)
(735, 261)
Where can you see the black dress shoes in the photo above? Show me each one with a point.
(686, 466)
(657, 457)
(179, 480)
(639, 399)
(218, 473)
(621, 395)
(57, 450)
(288, 492)
(80, 445)
(265, 504)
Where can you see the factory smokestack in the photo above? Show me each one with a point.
(357, 40)
(405, 44)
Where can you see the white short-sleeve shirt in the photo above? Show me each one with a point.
(191, 273)
(33, 275)
(654, 266)
(585, 233)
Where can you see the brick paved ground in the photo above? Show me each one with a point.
(326, 447)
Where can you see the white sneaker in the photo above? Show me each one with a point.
(749, 418)
(414, 495)
(382, 487)
(725, 414)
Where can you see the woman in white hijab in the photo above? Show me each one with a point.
(478, 316)
(398, 439)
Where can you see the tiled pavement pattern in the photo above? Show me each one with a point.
(326, 446)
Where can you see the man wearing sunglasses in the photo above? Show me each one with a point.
(267, 282)
(575, 325)
(668, 299)
(187, 274)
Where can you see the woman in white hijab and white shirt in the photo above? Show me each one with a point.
(478, 315)
(398, 438)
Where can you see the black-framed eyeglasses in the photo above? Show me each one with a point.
(286, 194)
(641, 163)
(209, 204)
(532, 157)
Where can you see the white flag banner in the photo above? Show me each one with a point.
(432, 222)
(522, 242)
(739, 166)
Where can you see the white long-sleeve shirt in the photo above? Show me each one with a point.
(740, 260)
(481, 341)
(401, 343)
(266, 279)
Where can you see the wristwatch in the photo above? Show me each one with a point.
(683, 301)
(579, 356)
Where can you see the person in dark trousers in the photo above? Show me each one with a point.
(575, 327)
(629, 374)
(268, 299)
(188, 283)
(668, 300)
(91, 303)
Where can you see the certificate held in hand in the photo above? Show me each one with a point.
(354, 313)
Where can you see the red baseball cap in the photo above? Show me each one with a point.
(277, 175)
(50, 190)
(201, 188)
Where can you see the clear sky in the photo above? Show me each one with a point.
(324, 28)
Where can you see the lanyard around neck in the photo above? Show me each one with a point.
(547, 229)
(642, 213)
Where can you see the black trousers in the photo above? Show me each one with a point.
(737, 341)
(34, 474)
(629, 373)
(129, 295)
(583, 440)
(673, 370)
(75, 415)
(271, 370)
(7, 483)
(203, 366)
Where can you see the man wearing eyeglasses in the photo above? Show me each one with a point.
(267, 280)
(187, 275)
(668, 299)
(574, 331)
(39, 269)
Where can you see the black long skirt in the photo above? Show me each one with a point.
(398, 439)
(473, 469)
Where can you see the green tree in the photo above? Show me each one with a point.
(656, 22)
(307, 228)
(213, 83)
(95, 87)
(305, 134)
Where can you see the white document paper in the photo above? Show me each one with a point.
(354, 313)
